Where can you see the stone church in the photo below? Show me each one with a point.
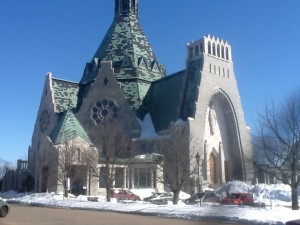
(125, 83)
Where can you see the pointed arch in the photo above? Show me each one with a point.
(214, 49)
(209, 48)
(230, 135)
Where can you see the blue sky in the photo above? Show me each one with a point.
(60, 36)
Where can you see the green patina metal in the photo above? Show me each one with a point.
(65, 94)
(134, 62)
(68, 128)
(163, 101)
(192, 89)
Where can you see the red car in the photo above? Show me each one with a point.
(238, 199)
(124, 195)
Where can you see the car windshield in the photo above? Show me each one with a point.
(234, 196)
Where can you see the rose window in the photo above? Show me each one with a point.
(104, 110)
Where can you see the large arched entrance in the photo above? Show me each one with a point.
(225, 163)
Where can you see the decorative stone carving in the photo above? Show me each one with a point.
(212, 117)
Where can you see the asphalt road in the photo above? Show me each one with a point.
(27, 215)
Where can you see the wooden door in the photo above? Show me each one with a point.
(212, 165)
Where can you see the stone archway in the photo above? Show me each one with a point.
(222, 127)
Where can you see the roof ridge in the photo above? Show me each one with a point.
(69, 81)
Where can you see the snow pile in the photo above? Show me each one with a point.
(274, 194)
(235, 187)
(278, 192)
(274, 214)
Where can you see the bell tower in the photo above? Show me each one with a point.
(126, 7)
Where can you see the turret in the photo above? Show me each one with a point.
(126, 7)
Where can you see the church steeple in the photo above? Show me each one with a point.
(126, 7)
(126, 46)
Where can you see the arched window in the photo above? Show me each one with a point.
(214, 49)
(209, 48)
(227, 54)
(222, 52)
(218, 50)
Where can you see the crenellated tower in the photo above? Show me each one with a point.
(212, 99)
(126, 45)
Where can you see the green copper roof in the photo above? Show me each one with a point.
(65, 94)
(163, 101)
(68, 128)
(192, 88)
(134, 62)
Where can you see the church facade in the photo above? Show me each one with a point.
(124, 83)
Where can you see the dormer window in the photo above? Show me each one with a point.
(155, 67)
(142, 63)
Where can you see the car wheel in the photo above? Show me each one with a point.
(3, 211)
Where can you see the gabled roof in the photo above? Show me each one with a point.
(68, 128)
(65, 94)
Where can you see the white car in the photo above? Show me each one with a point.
(160, 198)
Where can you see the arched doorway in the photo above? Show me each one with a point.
(227, 129)
(213, 168)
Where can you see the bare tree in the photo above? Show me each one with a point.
(4, 165)
(114, 149)
(179, 163)
(278, 137)
(71, 168)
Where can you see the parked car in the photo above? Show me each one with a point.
(154, 195)
(209, 196)
(4, 208)
(124, 195)
(160, 198)
(238, 199)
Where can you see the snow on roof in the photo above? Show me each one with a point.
(147, 127)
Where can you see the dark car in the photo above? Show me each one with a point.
(209, 196)
(238, 199)
(124, 195)
(4, 208)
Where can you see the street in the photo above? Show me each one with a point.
(28, 215)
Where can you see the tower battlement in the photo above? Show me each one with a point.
(211, 46)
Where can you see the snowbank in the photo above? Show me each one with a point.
(275, 213)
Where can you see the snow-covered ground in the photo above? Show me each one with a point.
(276, 197)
